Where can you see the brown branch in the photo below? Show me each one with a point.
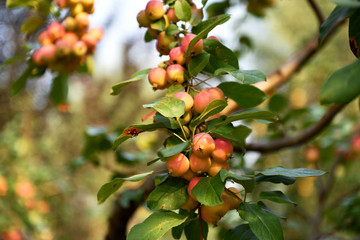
(317, 11)
(303, 137)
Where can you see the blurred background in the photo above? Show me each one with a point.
(53, 160)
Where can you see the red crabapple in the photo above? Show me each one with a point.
(184, 96)
(201, 100)
(157, 78)
(204, 144)
(177, 164)
(223, 150)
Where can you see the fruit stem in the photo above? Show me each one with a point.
(182, 128)
(179, 137)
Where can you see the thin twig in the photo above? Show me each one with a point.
(317, 11)
(302, 138)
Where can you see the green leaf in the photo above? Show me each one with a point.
(241, 132)
(135, 130)
(348, 3)
(169, 195)
(174, 89)
(297, 172)
(214, 107)
(226, 58)
(169, 107)
(275, 179)
(278, 103)
(276, 196)
(354, 32)
(249, 114)
(172, 29)
(245, 96)
(241, 232)
(42, 6)
(59, 88)
(20, 83)
(203, 2)
(148, 37)
(158, 25)
(31, 24)
(177, 231)
(170, 123)
(116, 89)
(247, 182)
(183, 10)
(109, 188)
(337, 15)
(224, 131)
(192, 230)
(206, 29)
(173, 150)
(263, 224)
(245, 76)
(155, 226)
(198, 63)
(208, 190)
(210, 24)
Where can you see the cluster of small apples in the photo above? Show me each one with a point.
(66, 45)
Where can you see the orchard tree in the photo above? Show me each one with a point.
(195, 181)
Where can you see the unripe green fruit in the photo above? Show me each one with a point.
(215, 92)
(190, 204)
(216, 167)
(213, 214)
(154, 9)
(177, 56)
(192, 184)
(143, 19)
(171, 15)
(177, 164)
(204, 145)
(201, 100)
(198, 164)
(196, 49)
(157, 78)
(163, 43)
(223, 150)
(175, 74)
(187, 117)
(184, 96)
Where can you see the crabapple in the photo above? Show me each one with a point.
(230, 199)
(163, 43)
(190, 204)
(70, 37)
(312, 154)
(201, 100)
(356, 143)
(178, 164)
(157, 78)
(45, 54)
(70, 24)
(143, 19)
(199, 164)
(44, 38)
(55, 30)
(223, 150)
(187, 117)
(25, 189)
(213, 214)
(175, 74)
(82, 20)
(171, 15)
(177, 56)
(216, 167)
(97, 32)
(196, 49)
(215, 92)
(63, 48)
(87, 3)
(61, 3)
(3, 186)
(80, 48)
(204, 144)
(184, 96)
(89, 39)
(189, 175)
(192, 184)
(154, 9)
(213, 37)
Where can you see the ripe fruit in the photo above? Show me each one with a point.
(3, 186)
(63, 48)
(163, 43)
(213, 37)
(216, 167)
(213, 214)
(154, 9)
(189, 175)
(196, 49)
(192, 184)
(70, 24)
(55, 30)
(190, 204)
(44, 38)
(312, 154)
(177, 56)
(175, 74)
(215, 92)
(229, 198)
(79, 48)
(143, 19)
(82, 20)
(204, 145)
(199, 164)
(44, 55)
(223, 150)
(25, 189)
(70, 38)
(178, 164)
(201, 100)
(356, 143)
(97, 32)
(171, 15)
(157, 78)
(184, 96)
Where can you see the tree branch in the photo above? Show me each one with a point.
(317, 11)
(303, 137)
